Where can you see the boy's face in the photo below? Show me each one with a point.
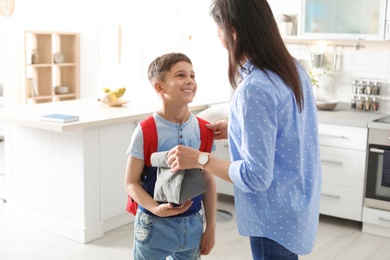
(179, 84)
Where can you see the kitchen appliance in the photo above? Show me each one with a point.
(287, 24)
(377, 193)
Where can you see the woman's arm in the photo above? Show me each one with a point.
(184, 157)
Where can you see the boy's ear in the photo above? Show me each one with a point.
(157, 86)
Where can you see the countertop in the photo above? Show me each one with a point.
(93, 113)
(343, 115)
(90, 111)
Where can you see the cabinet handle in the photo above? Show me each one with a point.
(376, 150)
(333, 162)
(226, 145)
(384, 219)
(334, 136)
(330, 196)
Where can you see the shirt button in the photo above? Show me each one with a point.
(180, 136)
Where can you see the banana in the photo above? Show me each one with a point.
(112, 97)
(106, 90)
(119, 92)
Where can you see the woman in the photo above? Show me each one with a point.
(272, 133)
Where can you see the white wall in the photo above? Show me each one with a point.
(149, 28)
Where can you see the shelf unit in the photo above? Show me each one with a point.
(43, 73)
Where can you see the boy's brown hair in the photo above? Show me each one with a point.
(161, 65)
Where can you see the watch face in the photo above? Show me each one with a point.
(58, 57)
(203, 158)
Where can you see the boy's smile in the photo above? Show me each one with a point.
(179, 84)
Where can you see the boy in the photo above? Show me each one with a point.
(161, 229)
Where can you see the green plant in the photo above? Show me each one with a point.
(316, 77)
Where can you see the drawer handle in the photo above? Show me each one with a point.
(333, 162)
(376, 150)
(334, 136)
(330, 196)
(226, 145)
(384, 219)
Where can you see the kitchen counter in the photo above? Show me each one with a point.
(91, 113)
(343, 115)
(68, 177)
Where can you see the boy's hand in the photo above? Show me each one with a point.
(168, 210)
(208, 241)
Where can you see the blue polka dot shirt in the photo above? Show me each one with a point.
(276, 167)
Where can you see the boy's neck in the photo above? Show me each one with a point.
(174, 115)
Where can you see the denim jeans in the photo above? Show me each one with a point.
(264, 249)
(158, 238)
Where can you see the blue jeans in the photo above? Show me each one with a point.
(264, 248)
(158, 238)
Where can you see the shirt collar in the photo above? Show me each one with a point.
(246, 69)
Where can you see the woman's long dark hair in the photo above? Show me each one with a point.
(257, 39)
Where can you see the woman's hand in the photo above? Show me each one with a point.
(183, 157)
(220, 129)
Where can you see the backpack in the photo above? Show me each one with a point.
(149, 132)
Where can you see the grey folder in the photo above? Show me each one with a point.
(175, 187)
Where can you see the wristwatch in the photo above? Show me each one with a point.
(203, 159)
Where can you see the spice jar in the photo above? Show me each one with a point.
(375, 104)
(355, 85)
(376, 88)
(367, 104)
(353, 102)
(360, 103)
(361, 87)
(368, 89)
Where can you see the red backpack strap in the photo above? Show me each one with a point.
(206, 136)
(149, 131)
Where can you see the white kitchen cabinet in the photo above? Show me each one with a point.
(344, 20)
(337, 20)
(70, 183)
(223, 187)
(376, 222)
(343, 157)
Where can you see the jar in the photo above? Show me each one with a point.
(361, 87)
(353, 102)
(375, 104)
(360, 103)
(376, 88)
(355, 85)
(368, 89)
(367, 104)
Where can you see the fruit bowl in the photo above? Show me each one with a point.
(326, 104)
(112, 98)
(118, 103)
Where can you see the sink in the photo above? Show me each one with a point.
(326, 104)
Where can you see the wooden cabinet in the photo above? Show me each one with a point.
(343, 160)
(51, 61)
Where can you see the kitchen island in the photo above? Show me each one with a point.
(68, 178)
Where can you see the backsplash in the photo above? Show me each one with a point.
(342, 65)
